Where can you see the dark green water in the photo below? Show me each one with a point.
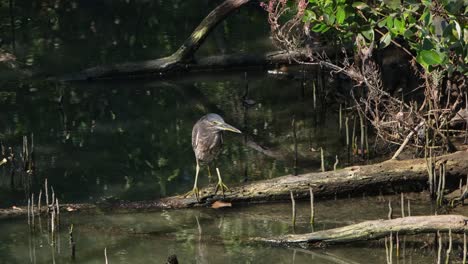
(131, 139)
(204, 236)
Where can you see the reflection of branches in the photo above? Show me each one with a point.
(326, 256)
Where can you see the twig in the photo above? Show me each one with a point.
(407, 139)
(312, 209)
(402, 203)
(105, 255)
(449, 249)
(390, 210)
(322, 159)
(293, 202)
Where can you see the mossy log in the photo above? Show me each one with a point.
(387, 177)
(376, 229)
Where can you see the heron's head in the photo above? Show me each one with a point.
(216, 123)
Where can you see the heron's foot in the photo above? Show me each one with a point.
(221, 186)
(195, 192)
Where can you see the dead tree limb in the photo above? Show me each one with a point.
(376, 229)
(159, 66)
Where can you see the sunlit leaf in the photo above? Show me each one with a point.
(340, 15)
(385, 40)
(360, 5)
(430, 57)
(458, 28)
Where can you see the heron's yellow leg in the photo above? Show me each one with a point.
(195, 190)
(220, 184)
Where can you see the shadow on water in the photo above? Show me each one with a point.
(201, 236)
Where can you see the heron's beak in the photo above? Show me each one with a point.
(227, 127)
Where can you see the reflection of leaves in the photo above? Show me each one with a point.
(162, 162)
(173, 175)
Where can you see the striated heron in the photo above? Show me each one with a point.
(207, 140)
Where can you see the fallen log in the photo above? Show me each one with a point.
(372, 230)
(387, 177)
(158, 68)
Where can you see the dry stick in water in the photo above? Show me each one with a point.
(387, 250)
(340, 117)
(391, 247)
(46, 193)
(449, 249)
(53, 197)
(336, 163)
(322, 165)
(402, 203)
(347, 137)
(293, 210)
(409, 207)
(58, 210)
(347, 130)
(105, 255)
(312, 209)
(39, 202)
(464, 248)
(29, 212)
(439, 250)
(390, 210)
(72, 242)
(314, 93)
(32, 209)
(397, 245)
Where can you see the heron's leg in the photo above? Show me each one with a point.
(195, 190)
(220, 184)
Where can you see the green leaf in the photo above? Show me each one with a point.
(340, 15)
(385, 40)
(368, 34)
(399, 26)
(382, 23)
(309, 15)
(360, 5)
(331, 20)
(389, 22)
(408, 34)
(321, 28)
(430, 57)
(458, 28)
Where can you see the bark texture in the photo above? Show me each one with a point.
(376, 229)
